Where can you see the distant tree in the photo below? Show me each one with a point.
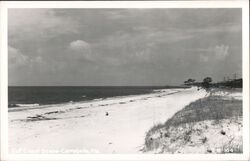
(189, 81)
(207, 79)
(207, 82)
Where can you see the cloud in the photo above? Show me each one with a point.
(224, 28)
(82, 48)
(123, 14)
(79, 45)
(16, 58)
(116, 14)
(204, 58)
(218, 52)
(145, 45)
(34, 24)
(221, 51)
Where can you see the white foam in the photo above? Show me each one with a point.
(28, 105)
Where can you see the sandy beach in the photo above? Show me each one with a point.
(113, 125)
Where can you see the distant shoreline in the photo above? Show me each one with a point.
(30, 96)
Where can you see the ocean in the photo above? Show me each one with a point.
(46, 95)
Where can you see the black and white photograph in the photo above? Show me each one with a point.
(126, 80)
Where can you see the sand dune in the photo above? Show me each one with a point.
(115, 125)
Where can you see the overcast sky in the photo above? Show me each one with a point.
(122, 46)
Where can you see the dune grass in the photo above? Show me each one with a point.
(209, 108)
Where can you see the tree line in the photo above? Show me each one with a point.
(207, 83)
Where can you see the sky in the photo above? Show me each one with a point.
(122, 47)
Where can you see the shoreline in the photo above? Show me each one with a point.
(14, 104)
(87, 125)
(40, 106)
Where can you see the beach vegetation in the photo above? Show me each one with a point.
(214, 108)
(190, 81)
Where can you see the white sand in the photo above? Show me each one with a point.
(202, 136)
(85, 128)
(226, 95)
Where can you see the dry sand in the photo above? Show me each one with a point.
(86, 128)
(202, 134)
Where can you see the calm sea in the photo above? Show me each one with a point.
(30, 96)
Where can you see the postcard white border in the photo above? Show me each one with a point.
(122, 4)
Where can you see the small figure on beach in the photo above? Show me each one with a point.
(107, 113)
